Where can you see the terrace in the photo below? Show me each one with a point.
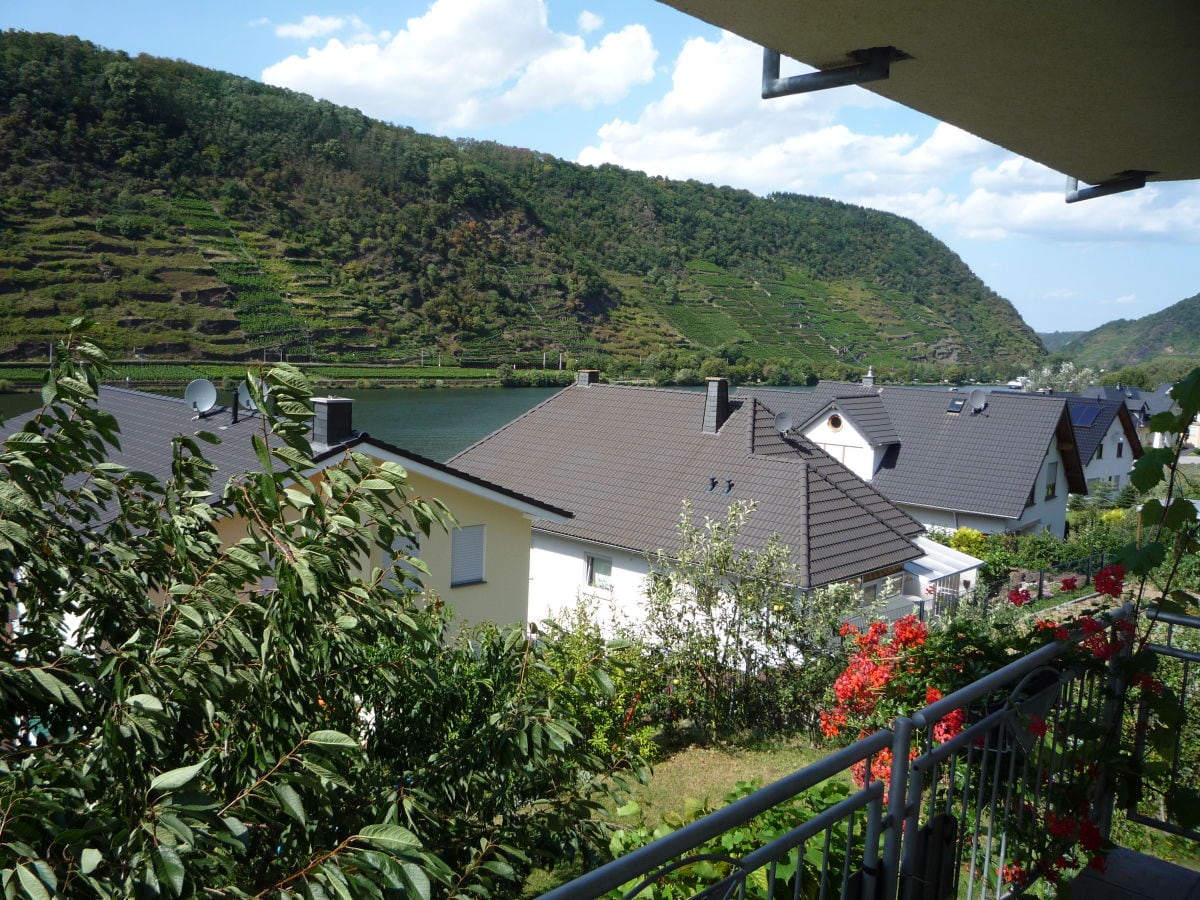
(984, 793)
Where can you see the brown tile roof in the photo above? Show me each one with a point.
(625, 459)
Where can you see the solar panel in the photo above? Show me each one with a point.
(1084, 416)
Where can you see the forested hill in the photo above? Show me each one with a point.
(194, 213)
(1170, 333)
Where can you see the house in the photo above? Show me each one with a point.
(1142, 405)
(626, 459)
(481, 567)
(1107, 438)
(999, 462)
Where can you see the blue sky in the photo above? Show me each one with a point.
(642, 86)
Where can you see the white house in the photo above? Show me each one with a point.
(625, 459)
(1107, 437)
(997, 462)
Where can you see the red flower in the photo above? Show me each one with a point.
(1098, 862)
(1089, 836)
(1037, 726)
(1148, 682)
(1070, 583)
(1018, 596)
(1013, 874)
(1111, 580)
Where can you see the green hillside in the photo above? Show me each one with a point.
(197, 215)
(1172, 333)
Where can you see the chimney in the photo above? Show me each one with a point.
(869, 378)
(716, 405)
(332, 424)
(587, 376)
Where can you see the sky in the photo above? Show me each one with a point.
(635, 83)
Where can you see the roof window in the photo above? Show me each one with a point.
(956, 405)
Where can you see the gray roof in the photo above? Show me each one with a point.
(869, 415)
(624, 460)
(149, 422)
(1135, 398)
(1090, 430)
(983, 463)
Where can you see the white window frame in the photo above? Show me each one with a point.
(467, 555)
(1051, 479)
(599, 580)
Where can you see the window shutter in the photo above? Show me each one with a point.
(466, 555)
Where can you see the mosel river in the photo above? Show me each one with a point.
(435, 423)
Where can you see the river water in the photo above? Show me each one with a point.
(436, 423)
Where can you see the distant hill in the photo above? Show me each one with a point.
(1056, 340)
(195, 214)
(1170, 333)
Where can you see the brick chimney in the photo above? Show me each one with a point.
(716, 405)
(587, 376)
(332, 423)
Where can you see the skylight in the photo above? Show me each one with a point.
(956, 405)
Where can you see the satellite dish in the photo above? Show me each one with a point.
(244, 400)
(200, 395)
(783, 422)
(978, 400)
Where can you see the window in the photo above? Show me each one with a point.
(466, 556)
(835, 422)
(1051, 480)
(870, 592)
(1100, 451)
(599, 572)
(1120, 449)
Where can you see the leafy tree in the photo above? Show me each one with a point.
(180, 714)
(1066, 377)
(725, 625)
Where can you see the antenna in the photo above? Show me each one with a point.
(979, 400)
(200, 395)
(244, 399)
(783, 422)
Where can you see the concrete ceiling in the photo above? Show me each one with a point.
(1092, 88)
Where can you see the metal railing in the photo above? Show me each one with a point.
(1175, 640)
(974, 796)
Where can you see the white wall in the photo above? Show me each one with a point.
(847, 445)
(1110, 467)
(558, 578)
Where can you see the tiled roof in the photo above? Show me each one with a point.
(869, 415)
(149, 422)
(625, 459)
(1090, 429)
(984, 462)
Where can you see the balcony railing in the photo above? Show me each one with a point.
(981, 814)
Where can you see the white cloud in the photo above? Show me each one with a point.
(465, 63)
(711, 125)
(310, 27)
(1123, 300)
(588, 22)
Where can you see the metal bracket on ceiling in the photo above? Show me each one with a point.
(874, 64)
(1126, 181)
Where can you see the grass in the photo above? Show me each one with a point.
(697, 776)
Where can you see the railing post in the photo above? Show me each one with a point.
(894, 827)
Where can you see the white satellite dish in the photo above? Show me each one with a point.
(200, 395)
(783, 422)
(978, 400)
(244, 399)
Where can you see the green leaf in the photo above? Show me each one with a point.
(1184, 806)
(33, 887)
(332, 739)
(347, 622)
(629, 809)
(290, 801)
(175, 778)
(170, 869)
(89, 859)
(390, 837)
(145, 702)
(1148, 471)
